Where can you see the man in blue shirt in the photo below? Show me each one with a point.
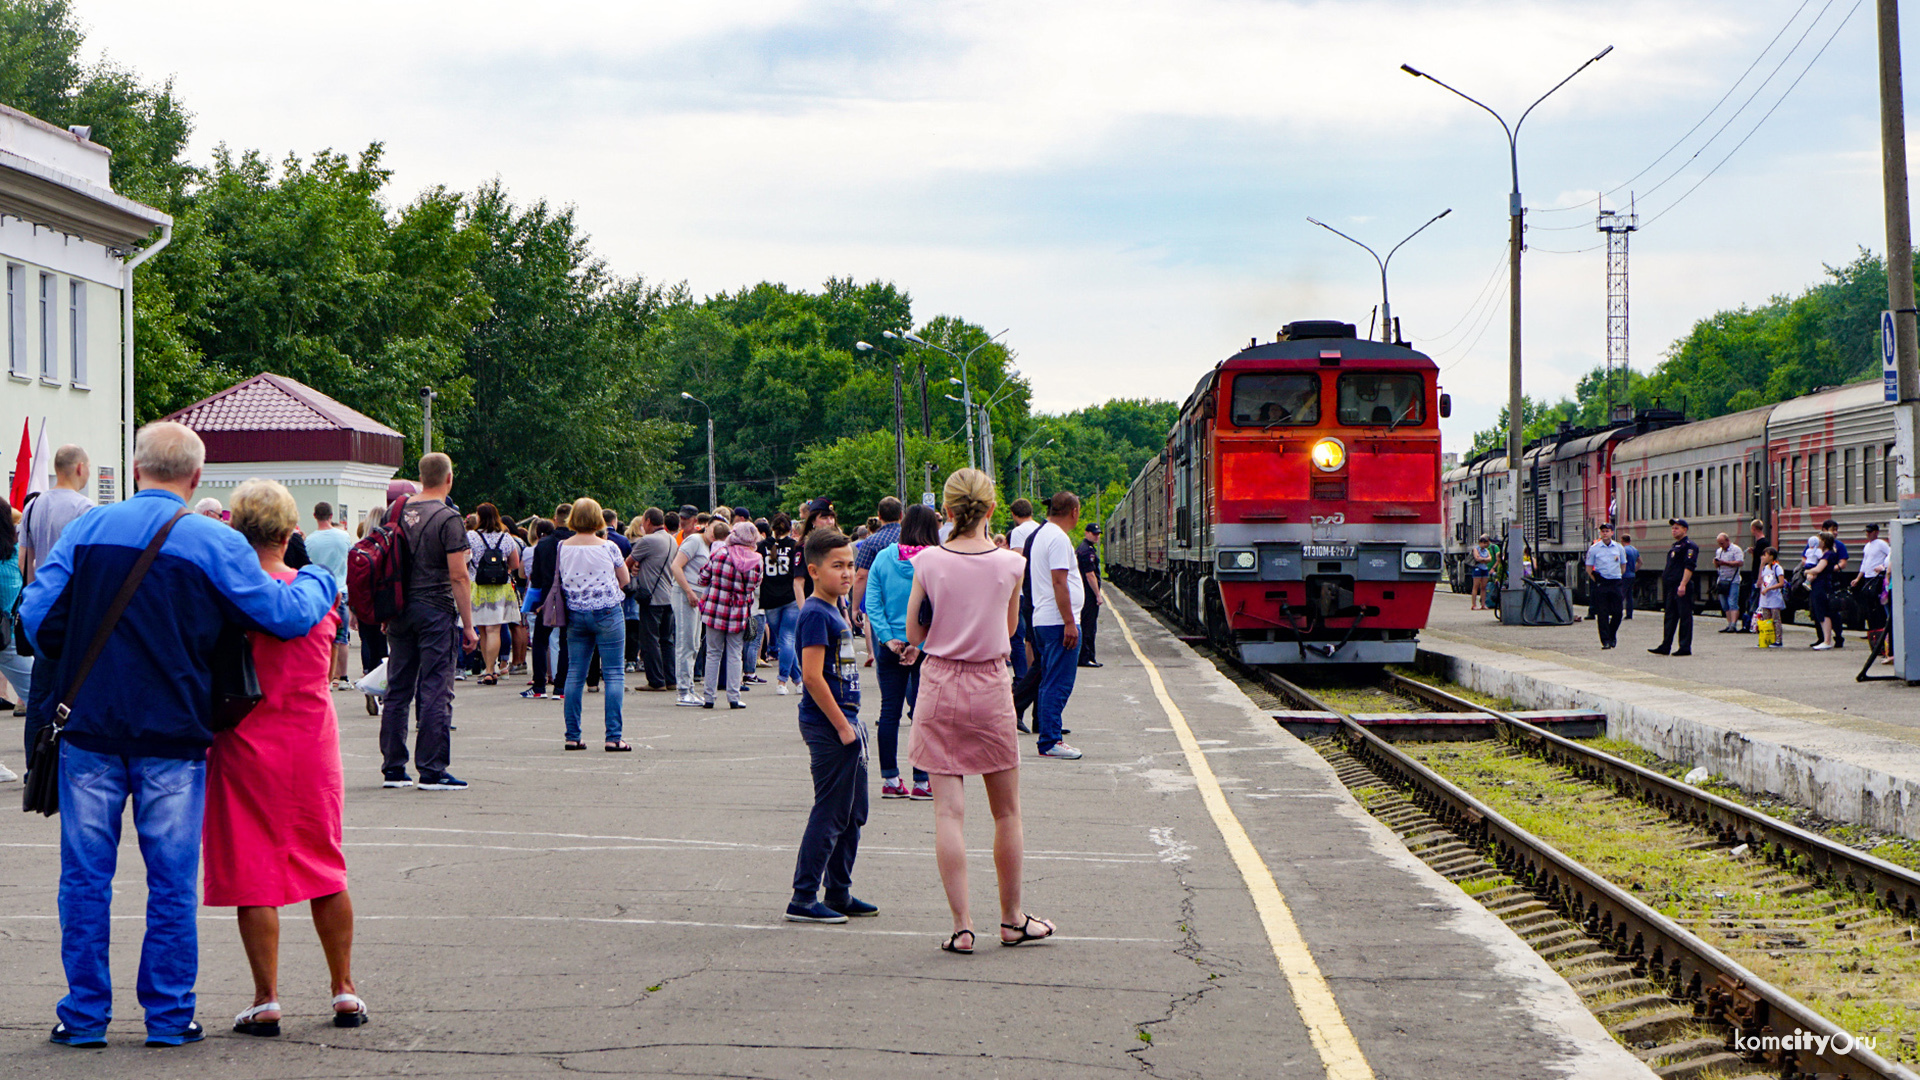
(140, 725)
(328, 546)
(1632, 577)
(1606, 564)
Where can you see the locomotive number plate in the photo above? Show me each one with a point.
(1326, 551)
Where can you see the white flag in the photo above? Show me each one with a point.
(41, 463)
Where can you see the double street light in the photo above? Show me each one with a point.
(1386, 309)
(713, 494)
(1516, 421)
(966, 383)
(899, 421)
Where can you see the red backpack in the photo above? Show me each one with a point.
(377, 569)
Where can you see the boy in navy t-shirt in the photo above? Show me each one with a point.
(830, 723)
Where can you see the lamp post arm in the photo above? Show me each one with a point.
(1523, 116)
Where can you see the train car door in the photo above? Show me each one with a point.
(1183, 485)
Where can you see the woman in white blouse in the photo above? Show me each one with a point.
(593, 576)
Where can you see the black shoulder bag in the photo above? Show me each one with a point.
(42, 789)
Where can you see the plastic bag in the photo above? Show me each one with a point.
(1766, 632)
(374, 683)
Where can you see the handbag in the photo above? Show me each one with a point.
(553, 605)
(41, 794)
(21, 646)
(236, 684)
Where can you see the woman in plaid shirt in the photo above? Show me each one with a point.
(732, 580)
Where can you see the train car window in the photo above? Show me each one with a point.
(1385, 398)
(1846, 493)
(1269, 400)
(1889, 477)
(1711, 504)
(1826, 485)
(1866, 474)
(1793, 483)
(1726, 507)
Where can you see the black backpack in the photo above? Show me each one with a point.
(492, 568)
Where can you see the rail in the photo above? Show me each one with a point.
(1656, 947)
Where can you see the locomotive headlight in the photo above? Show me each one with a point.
(1421, 560)
(1329, 455)
(1241, 560)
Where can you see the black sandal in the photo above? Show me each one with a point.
(489, 680)
(575, 745)
(618, 748)
(1026, 921)
(952, 944)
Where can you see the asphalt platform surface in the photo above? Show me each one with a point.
(620, 914)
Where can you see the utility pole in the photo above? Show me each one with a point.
(899, 440)
(1618, 227)
(1900, 302)
(427, 395)
(926, 416)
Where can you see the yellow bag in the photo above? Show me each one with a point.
(1765, 636)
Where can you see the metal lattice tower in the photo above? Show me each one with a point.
(1618, 227)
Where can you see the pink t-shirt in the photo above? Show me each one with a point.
(970, 594)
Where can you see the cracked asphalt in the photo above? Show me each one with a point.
(619, 914)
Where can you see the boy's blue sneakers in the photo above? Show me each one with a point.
(813, 911)
(79, 1040)
(851, 906)
(193, 1034)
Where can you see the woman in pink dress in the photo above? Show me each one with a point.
(275, 793)
(963, 721)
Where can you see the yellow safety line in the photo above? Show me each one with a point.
(1327, 1029)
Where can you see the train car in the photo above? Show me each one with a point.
(1460, 510)
(1827, 455)
(1296, 506)
(1710, 472)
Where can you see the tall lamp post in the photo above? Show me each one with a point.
(713, 494)
(966, 383)
(1516, 421)
(899, 426)
(1386, 308)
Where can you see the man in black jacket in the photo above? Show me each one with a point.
(545, 555)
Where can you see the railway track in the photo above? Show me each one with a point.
(1687, 1007)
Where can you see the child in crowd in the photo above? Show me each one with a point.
(1773, 596)
(836, 740)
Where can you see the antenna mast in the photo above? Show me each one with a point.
(1618, 227)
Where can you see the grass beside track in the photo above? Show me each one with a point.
(1859, 967)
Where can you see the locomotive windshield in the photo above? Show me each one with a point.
(1389, 398)
(1267, 400)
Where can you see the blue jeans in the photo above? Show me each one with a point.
(1729, 596)
(169, 797)
(1058, 665)
(899, 689)
(781, 623)
(1018, 643)
(756, 630)
(604, 630)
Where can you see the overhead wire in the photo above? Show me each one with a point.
(1471, 313)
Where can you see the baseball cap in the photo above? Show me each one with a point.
(1093, 530)
(821, 505)
(1682, 522)
(740, 514)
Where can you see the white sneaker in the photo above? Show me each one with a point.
(6, 775)
(1062, 751)
(1822, 646)
(783, 688)
(692, 701)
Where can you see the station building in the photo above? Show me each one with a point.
(68, 249)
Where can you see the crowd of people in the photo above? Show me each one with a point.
(965, 629)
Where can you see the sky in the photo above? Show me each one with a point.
(1123, 186)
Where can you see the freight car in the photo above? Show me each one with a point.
(1294, 515)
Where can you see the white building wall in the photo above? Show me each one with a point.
(350, 484)
(85, 412)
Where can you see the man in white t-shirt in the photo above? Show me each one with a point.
(1875, 560)
(1053, 576)
(1727, 560)
(1023, 527)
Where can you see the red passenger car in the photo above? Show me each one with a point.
(1294, 516)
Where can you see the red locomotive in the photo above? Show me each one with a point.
(1294, 516)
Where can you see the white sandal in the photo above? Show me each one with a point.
(246, 1024)
(353, 1018)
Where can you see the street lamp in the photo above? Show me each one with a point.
(899, 426)
(1386, 309)
(966, 386)
(713, 494)
(1022, 459)
(1516, 424)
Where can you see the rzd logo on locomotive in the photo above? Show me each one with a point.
(1330, 519)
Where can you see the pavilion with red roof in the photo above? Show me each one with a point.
(275, 427)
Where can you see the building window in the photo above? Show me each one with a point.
(17, 320)
(49, 329)
(77, 331)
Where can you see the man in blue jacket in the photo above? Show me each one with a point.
(139, 725)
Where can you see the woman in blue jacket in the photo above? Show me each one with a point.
(889, 583)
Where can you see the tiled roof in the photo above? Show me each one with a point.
(269, 402)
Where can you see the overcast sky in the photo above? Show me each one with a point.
(1124, 185)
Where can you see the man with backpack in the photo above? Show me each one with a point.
(421, 650)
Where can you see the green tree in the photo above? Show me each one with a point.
(856, 472)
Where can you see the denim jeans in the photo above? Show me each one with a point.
(420, 659)
(832, 839)
(723, 661)
(781, 623)
(756, 630)
(169, 797)
(899, 690)
(1018, 646)
(588, 632)
(1729, 595)
(686, 641)
(1058, 666)
(17, 670)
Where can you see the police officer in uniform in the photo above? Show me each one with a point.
(1676, 582)
(1606, 564)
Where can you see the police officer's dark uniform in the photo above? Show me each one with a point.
(1683, 558)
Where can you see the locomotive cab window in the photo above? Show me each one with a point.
(1381, 398)
(1268, 400)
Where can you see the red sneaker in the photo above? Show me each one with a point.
(893, 788)
(922, 790)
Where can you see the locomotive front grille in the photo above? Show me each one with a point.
(1329, 490)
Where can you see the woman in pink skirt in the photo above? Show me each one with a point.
(963, 721)
(275, 793)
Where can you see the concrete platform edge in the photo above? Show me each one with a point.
(1821, 769)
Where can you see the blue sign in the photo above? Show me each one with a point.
(1889, 368)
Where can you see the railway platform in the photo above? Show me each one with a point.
(1789, 721)
(1225, 909)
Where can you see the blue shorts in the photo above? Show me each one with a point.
(1479, 571)
(342, 635)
